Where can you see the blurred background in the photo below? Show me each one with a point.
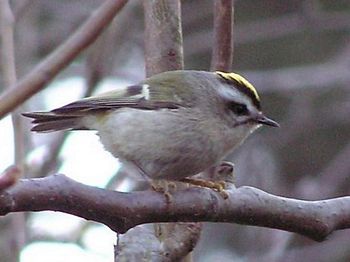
(296, 53)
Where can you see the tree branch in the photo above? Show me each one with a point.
(17, 235)
(44, 72)
(223, 40)
(141, 244)
(163, 36)
(122, 211)
(273, 28)
(164, 52)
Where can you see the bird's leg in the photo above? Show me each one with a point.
(216, 178)
(161, 186)
(165, 187)
(218, 186)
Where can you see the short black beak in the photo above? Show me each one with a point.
(261, 119)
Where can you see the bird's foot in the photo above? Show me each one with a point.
(218, 186)
(164, 187)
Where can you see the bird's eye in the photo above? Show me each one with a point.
(238, 109)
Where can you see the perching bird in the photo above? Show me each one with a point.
(172, 125)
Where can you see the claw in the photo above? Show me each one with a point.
(164, 187)
(218, 186)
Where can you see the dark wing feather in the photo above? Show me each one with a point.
(128, 97)
(49, 121)
(68, 117)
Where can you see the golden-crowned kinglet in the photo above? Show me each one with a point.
(172, 125)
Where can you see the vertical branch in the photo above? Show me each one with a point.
(7, 21)
(9, 72)
(7, 49)
(163, 52)
(222, 53)
(163, 36)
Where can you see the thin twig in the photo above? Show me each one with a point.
(9, 177)
(17, 236)
(273, 28)
(44, 72)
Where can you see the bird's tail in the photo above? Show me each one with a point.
(51, 121)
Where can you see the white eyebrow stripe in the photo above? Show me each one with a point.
(228, 93)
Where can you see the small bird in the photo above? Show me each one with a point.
(170, 126)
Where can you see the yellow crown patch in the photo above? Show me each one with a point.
(241, 80)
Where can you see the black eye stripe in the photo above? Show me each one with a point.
(238, 108)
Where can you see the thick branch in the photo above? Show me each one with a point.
(122, 211)
(44, 72)
(164, 52)
(163, 36)
(141, 244)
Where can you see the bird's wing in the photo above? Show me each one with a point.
(163, 91)
(143, 96)
(68, 117)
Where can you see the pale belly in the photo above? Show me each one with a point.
(162, 144)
